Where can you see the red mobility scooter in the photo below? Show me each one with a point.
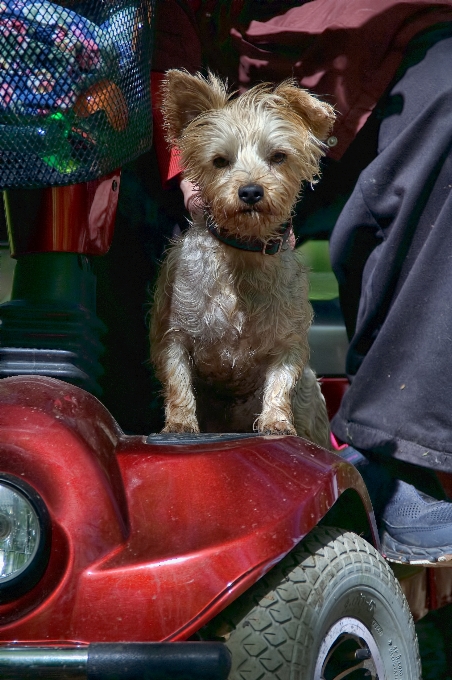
(160, 556)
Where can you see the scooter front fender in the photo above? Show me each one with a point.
(153, 536)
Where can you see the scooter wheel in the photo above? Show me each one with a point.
(331, 609)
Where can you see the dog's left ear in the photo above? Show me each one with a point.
(317, 115)
(185, 96)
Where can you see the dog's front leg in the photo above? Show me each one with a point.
(180, 405)
(276, 416)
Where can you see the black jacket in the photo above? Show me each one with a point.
(391, 250)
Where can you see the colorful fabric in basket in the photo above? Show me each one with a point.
(74, 89)
(48, 54)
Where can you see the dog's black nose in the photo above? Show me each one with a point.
(251, 193)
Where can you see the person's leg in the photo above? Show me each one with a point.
(391, 252)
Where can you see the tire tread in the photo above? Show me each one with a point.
(265, 623)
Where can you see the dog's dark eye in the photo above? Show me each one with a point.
(278, 158)
(220, 162)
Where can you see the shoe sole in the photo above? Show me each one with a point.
(394, 551)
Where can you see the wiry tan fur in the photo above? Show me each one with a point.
(229, 326)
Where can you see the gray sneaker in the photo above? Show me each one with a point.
(414, 528)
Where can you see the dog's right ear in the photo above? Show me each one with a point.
(185, 96)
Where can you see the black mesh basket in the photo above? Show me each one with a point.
(74, 89)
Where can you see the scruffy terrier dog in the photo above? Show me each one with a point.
(231, 311)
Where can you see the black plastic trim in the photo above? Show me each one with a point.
(159, 661)
(197, 438)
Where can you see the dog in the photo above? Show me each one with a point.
(231, 314)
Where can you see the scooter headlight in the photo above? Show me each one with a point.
(19, 533)
(24, 537)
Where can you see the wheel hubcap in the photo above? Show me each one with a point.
(349, 651)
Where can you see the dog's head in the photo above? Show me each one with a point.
(248, 155)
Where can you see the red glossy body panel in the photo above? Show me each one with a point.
(79, 218)
(150, 541)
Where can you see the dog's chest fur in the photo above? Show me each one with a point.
(235, 309)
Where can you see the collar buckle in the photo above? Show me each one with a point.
(280, 241)
(276, 240)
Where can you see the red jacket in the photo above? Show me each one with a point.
(346, 51)
(177, 45)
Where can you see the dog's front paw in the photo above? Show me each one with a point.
(272, 426)
(174, 426)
